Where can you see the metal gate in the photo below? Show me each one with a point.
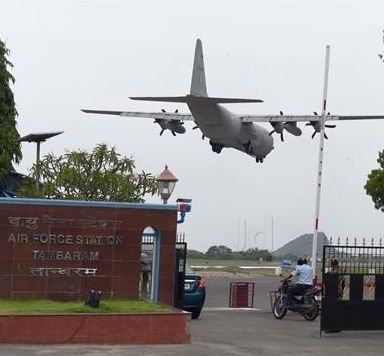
(180, 264)
(181, 257)
(353, 287)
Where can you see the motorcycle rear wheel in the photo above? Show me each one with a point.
(313, 311)
(279, 310)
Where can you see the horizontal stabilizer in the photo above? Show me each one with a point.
(170, 99)
(104, 112)
(192, 98)
(233, 100)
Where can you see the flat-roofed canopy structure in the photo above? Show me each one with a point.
(38, 138)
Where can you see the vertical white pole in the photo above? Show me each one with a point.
(320, 162)
(245, 234)
(272, 232)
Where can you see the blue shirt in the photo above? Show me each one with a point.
(303, 274)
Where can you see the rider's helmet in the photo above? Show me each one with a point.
(302, 261)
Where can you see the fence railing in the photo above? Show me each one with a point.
(354, 257)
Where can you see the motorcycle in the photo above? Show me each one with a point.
(306, 305)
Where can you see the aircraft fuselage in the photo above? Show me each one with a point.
(224, 129)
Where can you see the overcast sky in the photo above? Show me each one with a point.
(69, 55)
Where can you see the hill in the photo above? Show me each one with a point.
(302, 246)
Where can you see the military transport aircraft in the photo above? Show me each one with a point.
(222, 127)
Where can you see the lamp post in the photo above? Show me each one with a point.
(166, 184)
(38, 138)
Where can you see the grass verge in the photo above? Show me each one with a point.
(44, 306)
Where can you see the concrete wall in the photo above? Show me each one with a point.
(164, 328)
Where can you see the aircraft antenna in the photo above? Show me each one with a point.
(320, 161)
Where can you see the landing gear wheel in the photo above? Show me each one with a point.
(216, 147)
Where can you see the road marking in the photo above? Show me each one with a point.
(229, 309)
(242, 267)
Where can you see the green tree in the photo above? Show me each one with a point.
(102, 174)
(10, 150)
(219, 252)
(375, 184)
(194, 254)
(255, 253)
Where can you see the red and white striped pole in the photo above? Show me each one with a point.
(320, 162)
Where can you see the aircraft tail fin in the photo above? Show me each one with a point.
(198, 85)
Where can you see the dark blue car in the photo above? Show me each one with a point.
(194, 292)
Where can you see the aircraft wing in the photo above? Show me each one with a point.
(148, 115)
(289, 122)
(303, 118)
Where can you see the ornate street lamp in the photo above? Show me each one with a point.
(166, 184)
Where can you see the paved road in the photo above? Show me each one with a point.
(233, 332)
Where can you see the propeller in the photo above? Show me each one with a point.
(172, 125)
(290, 126)
(278, 127)
(317, 126)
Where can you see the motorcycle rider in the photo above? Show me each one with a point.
(303, 273)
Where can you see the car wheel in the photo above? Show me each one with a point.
(195, 313)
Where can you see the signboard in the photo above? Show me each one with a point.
(61, 250)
